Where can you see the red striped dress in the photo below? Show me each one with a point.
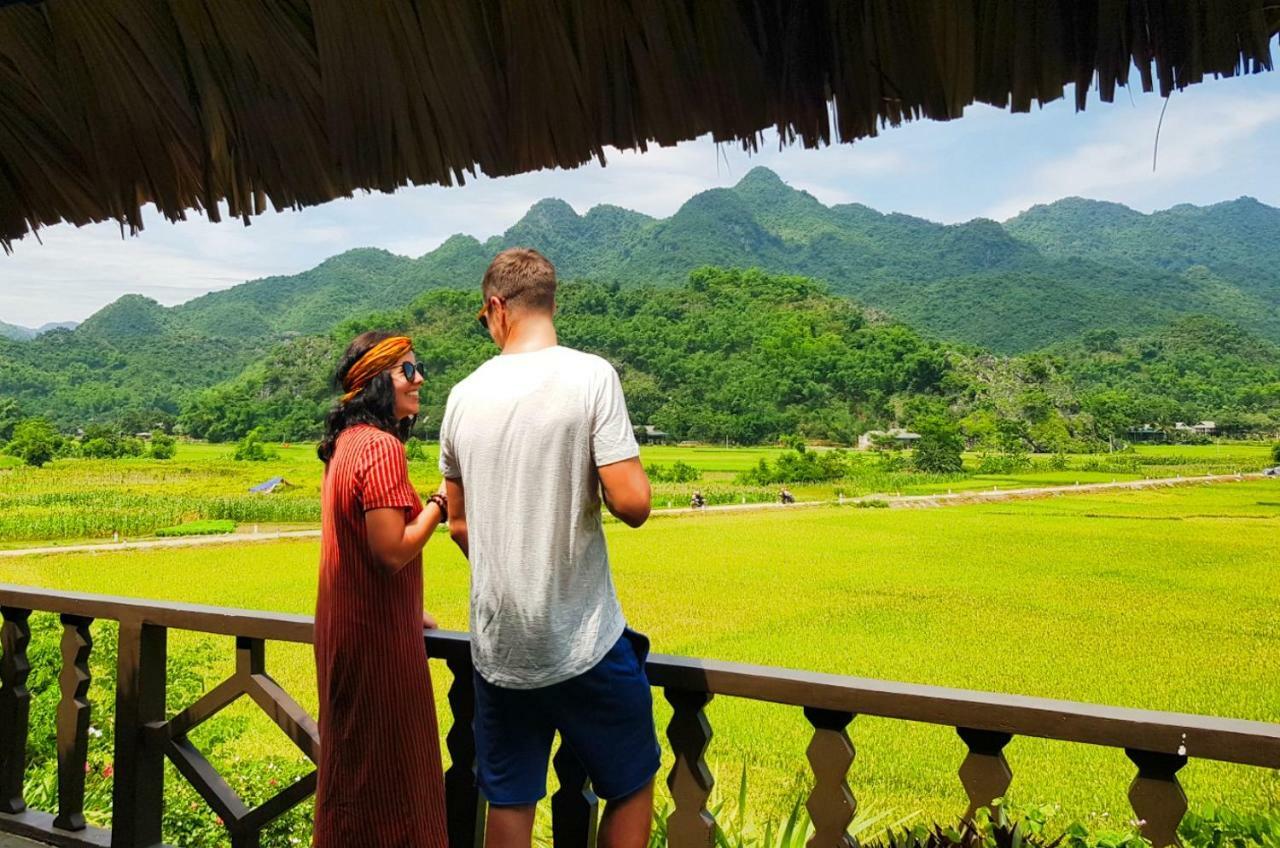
(381, 783)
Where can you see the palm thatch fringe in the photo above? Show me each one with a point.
(208, 105)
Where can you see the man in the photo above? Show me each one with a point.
(529, 443)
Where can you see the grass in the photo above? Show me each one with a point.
(1158, 599)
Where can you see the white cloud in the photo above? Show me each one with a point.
(1201, 137)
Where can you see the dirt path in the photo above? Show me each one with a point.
(894, 501)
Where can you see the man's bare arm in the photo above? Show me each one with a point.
(457, 514)
(626, 491)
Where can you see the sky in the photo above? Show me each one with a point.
(1219, 140)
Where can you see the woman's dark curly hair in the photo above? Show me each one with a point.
(375, 405)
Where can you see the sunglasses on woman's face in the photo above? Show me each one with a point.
(408, 369)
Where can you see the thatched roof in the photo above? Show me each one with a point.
(106, 105)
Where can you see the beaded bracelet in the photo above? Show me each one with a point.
(441, 502)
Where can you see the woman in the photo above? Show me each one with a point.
(380, 781)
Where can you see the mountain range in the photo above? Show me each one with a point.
(1045, 277)
(22, 334)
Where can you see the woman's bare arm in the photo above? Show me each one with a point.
(393, 541)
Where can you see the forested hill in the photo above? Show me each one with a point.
(1043, 277)
(750, 357)
(736, 355)
(729, 355)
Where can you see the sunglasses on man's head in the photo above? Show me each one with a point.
(408, 369)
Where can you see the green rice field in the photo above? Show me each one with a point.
(1162, 599)
(75, 500)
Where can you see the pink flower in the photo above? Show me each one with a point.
(88, 769)
(109, 771)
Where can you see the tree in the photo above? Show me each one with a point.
(1275, 453)
(940, 448)
(34, 441)
(10, 415)
(163, 446)
(251, 449)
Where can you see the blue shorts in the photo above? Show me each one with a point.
(604, 715)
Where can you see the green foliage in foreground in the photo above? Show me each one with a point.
(207, 527)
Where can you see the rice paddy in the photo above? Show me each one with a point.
(1161, 599)
(79, 499)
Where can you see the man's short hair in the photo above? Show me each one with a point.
(523, 278)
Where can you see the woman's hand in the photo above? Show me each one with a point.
(429, 621)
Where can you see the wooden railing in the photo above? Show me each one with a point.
(1159, 744)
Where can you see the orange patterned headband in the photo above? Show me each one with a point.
(377, 359)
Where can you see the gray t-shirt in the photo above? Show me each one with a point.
(525, 433)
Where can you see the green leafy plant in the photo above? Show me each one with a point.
(251, 449)
(35, 441)
(163, 446)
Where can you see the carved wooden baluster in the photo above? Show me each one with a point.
(251, 659)
(831, 805)
(985, 772)
(15, 707)
(1156, 795)
(465, 807)
(73, 721)
(137, 794)
(691, 825)
(574, 807)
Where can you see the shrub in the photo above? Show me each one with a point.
(414, 450)
(940, 448)
(208, 527)
(251, 449)
(34, 441)
(679, 472)
(1275, 453)
(163, 446)
(796, 466)
(98, 448)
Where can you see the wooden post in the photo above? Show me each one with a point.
(73, 721)
(137, 795)
(985, 772)
(691, 825)
(831, 805)
(574, 807)
(464, 806)
(15, 707)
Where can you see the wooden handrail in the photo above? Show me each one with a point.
(1158, 743)
(1204, 737)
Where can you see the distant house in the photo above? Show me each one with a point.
(647, 434)
(1146, 433)
(897, 435)
(270, 486)
(1204, 428)
(145, 435)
